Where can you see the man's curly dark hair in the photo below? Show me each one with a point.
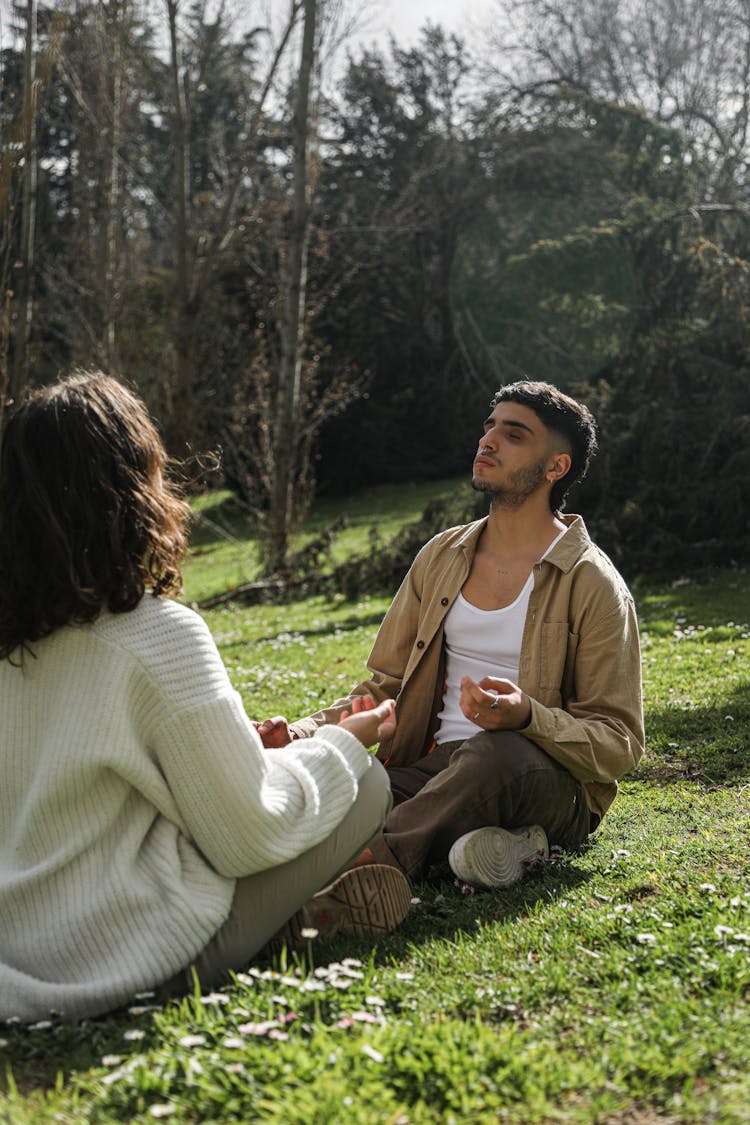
(88, 518)
(562, 415)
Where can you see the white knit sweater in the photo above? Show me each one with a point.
(134, 791)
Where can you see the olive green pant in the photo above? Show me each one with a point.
(495, 778)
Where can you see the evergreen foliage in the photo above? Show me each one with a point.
(581, 217)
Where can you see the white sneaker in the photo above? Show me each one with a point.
(497, 857)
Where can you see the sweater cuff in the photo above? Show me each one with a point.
(350, 747)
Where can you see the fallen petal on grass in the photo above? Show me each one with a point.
(373, 1054)
(260, 1029)
(192, 1041)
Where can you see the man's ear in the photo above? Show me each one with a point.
(558, 466)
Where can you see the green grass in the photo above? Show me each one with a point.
(225, 542)
(610, 986)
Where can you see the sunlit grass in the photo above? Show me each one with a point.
(611, 986)
(225, 551)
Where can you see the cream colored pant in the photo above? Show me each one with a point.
(263, 902)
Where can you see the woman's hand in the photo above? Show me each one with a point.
(274, 733)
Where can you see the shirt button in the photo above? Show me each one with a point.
(420, 644)
(444, 601)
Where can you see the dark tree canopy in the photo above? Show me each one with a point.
(573, 206)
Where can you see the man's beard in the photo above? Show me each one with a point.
(521, 483)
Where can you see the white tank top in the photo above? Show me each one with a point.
(479, 643)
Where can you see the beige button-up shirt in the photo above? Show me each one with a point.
(579, 663)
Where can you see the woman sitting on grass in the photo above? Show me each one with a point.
(143, 826)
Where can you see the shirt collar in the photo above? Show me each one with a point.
(563, 555)
(574, 542)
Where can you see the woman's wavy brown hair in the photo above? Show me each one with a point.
(87, 517)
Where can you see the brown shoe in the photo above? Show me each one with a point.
(364, 900)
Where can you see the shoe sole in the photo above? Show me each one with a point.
(496, 857)
(365, 900)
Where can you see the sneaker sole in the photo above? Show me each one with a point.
(496, 857)
(365, 900)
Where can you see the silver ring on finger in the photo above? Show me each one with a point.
(495, 703)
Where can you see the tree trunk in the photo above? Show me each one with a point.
(182, 401)
(198, 253)
(286, 414)
(22, 339)
(109, 262)
(6, 292)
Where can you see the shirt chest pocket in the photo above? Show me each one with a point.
(557, 657)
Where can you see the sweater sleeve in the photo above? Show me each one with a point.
(245, 807)
(248, 808)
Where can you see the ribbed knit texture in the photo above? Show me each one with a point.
(134, 791)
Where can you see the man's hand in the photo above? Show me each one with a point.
(274, 733)
(495, 704)
(368, 722)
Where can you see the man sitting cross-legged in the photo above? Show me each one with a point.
(512, 652)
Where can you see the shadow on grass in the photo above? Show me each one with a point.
(40, 1054)
(712, 596)
(345, 625)
(445, 910)
(215, 523)
(710, 745)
